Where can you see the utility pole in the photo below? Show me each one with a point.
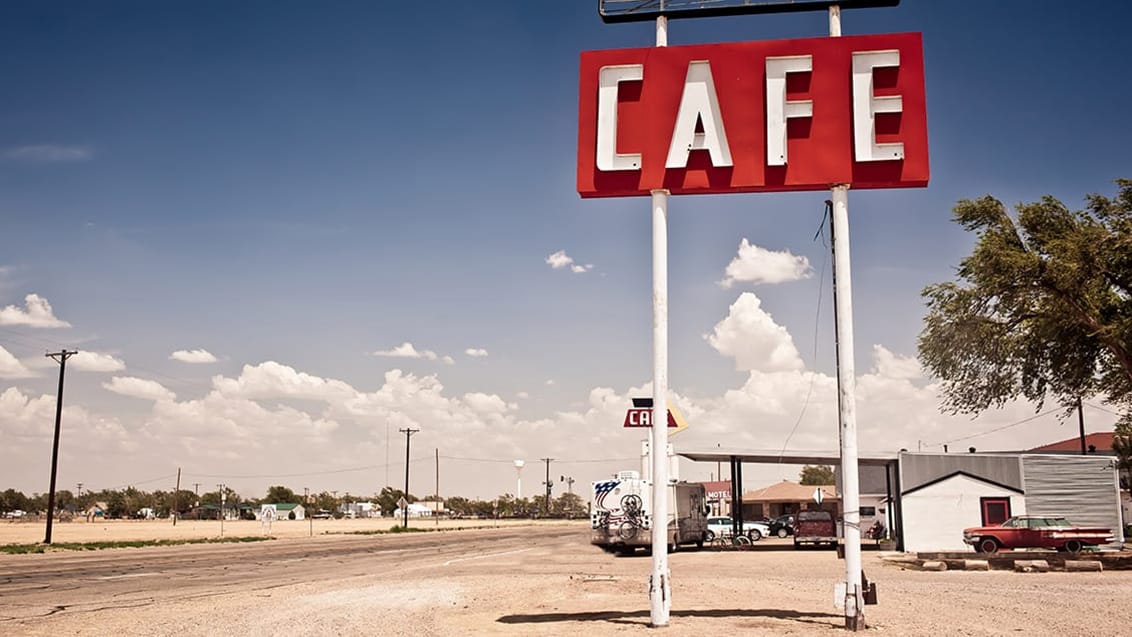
(436, 509)
(196, 488)
(569, 480)
(548, 483)
(176, 494)
(223, 497)
(61, 358)
(1081, 422)
(405, 497)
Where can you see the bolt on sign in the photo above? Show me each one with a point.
(782, 115)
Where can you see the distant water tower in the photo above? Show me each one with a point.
(519, 484)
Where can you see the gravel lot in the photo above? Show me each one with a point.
(531, 580)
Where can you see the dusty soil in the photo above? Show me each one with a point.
(534, 580)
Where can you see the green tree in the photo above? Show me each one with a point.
(281, 495)
(11, 500)
(116, 505)
(818, 475)
(1041, 309)
(388, 499)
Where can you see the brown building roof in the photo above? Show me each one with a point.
(787, 491)
(1101, 441)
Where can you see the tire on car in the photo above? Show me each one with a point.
(1074, 546)
(782, 532)
(754, 535)
(709, 536)
(988, 545)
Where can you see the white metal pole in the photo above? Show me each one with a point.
(846, 383)
(660, 587)
(846, 387)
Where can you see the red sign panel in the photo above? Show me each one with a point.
(754, 117)
(642, 417)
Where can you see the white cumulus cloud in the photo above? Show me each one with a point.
(750, 336)
(95, 362)
(11, 367)
(560, 260)
(891, 365)
(407, 350)
(755, 264)
(275, 380)
(196, 356)
(475, 352)
(139, 388)
(36, 313)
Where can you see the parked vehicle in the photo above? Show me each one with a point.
(782, 526)
(1033, 531)
(816, 528)
(723, 526)
(622, 509)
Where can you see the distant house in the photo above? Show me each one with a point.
(360, 510)
(96, 510)
(1095, 443)
(283, 511)
(788, 497)
(416, 510)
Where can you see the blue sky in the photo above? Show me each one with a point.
(299, 189)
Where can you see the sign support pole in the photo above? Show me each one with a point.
(660, 585)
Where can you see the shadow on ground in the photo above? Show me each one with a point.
(634, 617)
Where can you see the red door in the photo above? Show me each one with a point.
(995, 510)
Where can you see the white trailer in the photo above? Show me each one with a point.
(621, 515)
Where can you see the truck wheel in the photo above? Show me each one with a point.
(988, 545)
(782, 532)
(1073, 546)
(709, 536)
(755, 535)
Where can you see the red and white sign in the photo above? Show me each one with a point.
(754, 117)
(642, 417)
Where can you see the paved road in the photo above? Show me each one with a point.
(57, 584)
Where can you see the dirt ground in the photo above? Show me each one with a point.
(542, 579)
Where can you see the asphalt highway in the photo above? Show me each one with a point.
(65, 583)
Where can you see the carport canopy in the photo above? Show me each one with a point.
(785, 457)
(737, 458)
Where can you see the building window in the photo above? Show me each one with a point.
(995, 510)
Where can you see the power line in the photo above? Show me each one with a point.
(817, 324)
(996, 429)
(1104, 409)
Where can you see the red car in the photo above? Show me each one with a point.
(1035, 531)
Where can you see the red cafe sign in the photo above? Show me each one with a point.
(754, 117)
